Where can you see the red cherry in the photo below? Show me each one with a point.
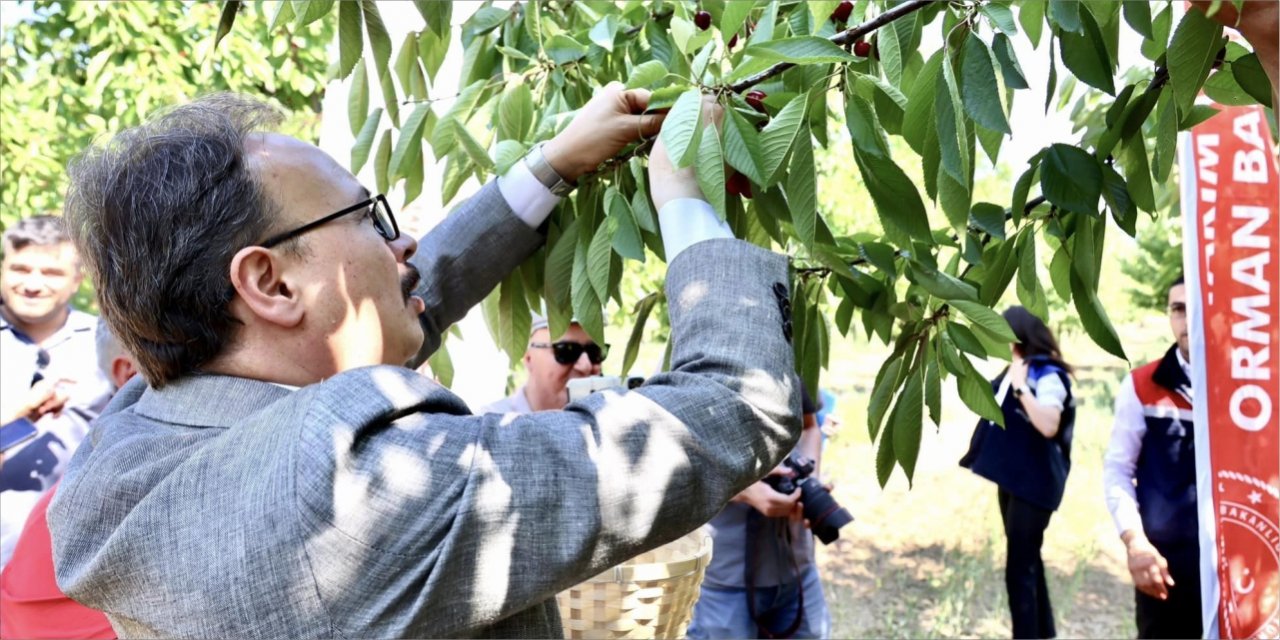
(738, 185)
(702, 19)
(733, 42)
(862, 49)
(842, 12)
(755, 98)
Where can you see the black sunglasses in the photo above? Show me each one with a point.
(376, 208)
(566, 352)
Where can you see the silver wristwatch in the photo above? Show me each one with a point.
(542, 170)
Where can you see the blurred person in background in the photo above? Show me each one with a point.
(550, 366)
(1028, 459)
(48, 373)
(31, 604)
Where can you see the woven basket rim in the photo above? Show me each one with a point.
(646, 571)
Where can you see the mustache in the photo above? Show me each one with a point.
(409, 281)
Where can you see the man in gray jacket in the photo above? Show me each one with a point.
(279, 473)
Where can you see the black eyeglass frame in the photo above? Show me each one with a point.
(580, 348)
(389, 235)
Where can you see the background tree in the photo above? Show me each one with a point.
(925, 277)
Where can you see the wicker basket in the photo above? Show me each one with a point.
(648, 596)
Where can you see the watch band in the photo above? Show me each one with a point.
(1018, 391)
(543, 171)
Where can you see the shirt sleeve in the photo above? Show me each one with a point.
(531, 200)
(1050, 392)
(1121, 459)
(687, 221)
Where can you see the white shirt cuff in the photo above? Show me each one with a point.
(528, 198)
(687, 221)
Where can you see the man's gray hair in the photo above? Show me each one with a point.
(108, 349)
(157, 213)
(36, 231)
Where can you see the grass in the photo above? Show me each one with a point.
(927, 560)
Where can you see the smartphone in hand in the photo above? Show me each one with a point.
(16, 433)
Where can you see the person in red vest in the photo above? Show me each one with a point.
(1149, 476)
(31, 605)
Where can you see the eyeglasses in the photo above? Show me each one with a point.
(566, 352)
(375, 208)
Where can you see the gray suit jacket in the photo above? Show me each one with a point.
(374, 504)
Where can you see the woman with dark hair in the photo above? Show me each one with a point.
(1028, 460)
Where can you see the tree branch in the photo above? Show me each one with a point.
(655, 17)
(842, 38)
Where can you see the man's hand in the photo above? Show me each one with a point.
(666, 183)
(761, 497)
(611, 120)
(45, 397)
(1149, 569)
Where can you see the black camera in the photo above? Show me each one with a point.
(824, 514)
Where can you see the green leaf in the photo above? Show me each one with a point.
(1222, 88)
(864, 127)
(1001, 17)
(389, 99)
(1155, 47)
(506, 153)
(990, 218)
(310, 11)
(1060, 274)
(1085, 54)
(444, 139)
(379, 41)
(1166, 137)
(229, 10)
(682, 131)
(978, 396)
(1138, 14)
(984, 317)
(922, 104)
(1070, 178)
(940, 283)
(1116, 192)
(350, 41)
(646, 74)
(1052, 84)
(1009, 67)
(908, 420)
(514, 318)
(802, 192)
(599, 258)
(887, 381)
(933, 391)
(564, 49)
(602, 34)
(358, 98)
(436, 14)
(1190, 56)
(710, 173)
(1030, 293)
(1031, 17)
(515, 113)
(1066, 13)
(884, 455)
(965, 340)
(733, 17)
(1250, 76)
(1094, 317)
(380, 159)
(890, 50)
(558, 276)
(626, 241)
(641, 207)
(364, 141)
(641, 314)
(407, 63)
(1138, 174)
(952, 136)
(742, 146)
(897, 201)
(432, 48)
(777, 137)
(981, 93)
(801, 50)
(410, 135)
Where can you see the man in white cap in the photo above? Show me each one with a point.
(551, 365)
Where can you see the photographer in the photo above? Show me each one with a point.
(762, 581)
(279, 472)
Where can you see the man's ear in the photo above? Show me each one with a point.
(258, 277)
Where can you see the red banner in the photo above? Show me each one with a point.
(1230, 199)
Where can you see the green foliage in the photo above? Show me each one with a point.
(925, 273)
